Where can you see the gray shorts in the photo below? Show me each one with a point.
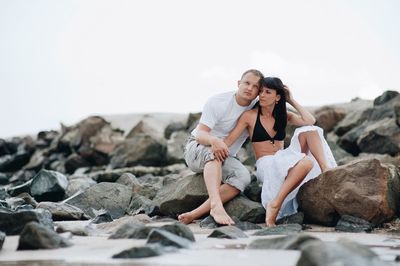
(234, 172)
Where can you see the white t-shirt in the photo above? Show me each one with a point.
(221, 113)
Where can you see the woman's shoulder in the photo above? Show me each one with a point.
(249, 114)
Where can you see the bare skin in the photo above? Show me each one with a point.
(247, 91)
(294, 178)
(308, 140)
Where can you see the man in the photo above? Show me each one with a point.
(206, 152)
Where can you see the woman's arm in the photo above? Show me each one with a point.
(304, 118)
(241, 125)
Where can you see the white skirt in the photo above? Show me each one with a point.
(273, 169)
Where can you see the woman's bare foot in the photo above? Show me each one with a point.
(220, 216)
(272, 213)
(186, 218)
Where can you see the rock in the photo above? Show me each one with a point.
(102, 216)
(230, 232)
(245, 209)
(282, 229)
(328, 116)
(179, 229)
(140, 252)
(253, 190)
(25, 187)
(2, 238)
(342, 252)
(352, 224)
(12, 163)
(175, 147)
(173, 127)
(182, 196)
(141, 204)
(37, 236)
(129, 180)
(132, 230)
(73, 162)
(290, 242)
(385, 97)
(167, 239)
(49, 185)
(297, 218)
(141, 149)
(12, 223)
(78, 184)
(112, 197)
(366, 189)
(62, 211)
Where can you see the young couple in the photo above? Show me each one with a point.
(256, 109)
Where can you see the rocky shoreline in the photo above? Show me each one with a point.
(124, 178)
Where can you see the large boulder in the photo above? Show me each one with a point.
(114, 198)
(366, 189)
(49, 185)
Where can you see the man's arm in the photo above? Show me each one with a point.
(218, 146)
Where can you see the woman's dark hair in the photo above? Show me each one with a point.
(279, 112)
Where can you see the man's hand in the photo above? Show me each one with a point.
(219, 148)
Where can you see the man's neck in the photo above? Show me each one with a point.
(241, 102)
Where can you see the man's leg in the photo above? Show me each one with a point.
(226, 192)
(311, 141)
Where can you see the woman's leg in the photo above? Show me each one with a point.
(311, 141)
(293, 179)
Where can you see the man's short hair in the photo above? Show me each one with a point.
(254, 72)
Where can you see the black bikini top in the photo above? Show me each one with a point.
(260, 134)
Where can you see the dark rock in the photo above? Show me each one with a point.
(24, 207)
(141, 204)
(62, 211)
(173, 127)
(297, 218)
(23, 188)
(182, 196)
(179, 229)
(73, 162)
(290, 242)
(12, 223)
(230, 232)
(140, 252)
(282, 229)
(132, 230)
(49, 185)
(245, 209)
(102, 217)
(385, 97)
(175, 146)
(253, 190)
(139, 150)
(167, 239)
(37, 236)
(4, 179)
(2, 238)
(112, 197)
(327, 117)
(3, 194)
(349, 223)
(12, 163)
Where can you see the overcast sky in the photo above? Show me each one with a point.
(61, 61)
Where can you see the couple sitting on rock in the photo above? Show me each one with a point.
(256, 109)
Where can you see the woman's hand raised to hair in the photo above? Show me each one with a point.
(288, 94)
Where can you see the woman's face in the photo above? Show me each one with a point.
(268, 96)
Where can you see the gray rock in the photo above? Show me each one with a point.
(245, 209)
(78, 183)
(179, 229)
(349, 223)
(2, 238)
(282, 229)
(112, 197)
(141, 204)
(49, 185)
(167, 239)
(132, 230)
(140, 252)
(102, 216)
(12, 223)
(175, 147)
(230, 232)
(62, 211)
(297, 218)
(37, 236)
(182, 196)
(290, 242)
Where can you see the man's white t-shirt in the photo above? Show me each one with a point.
(221, 113)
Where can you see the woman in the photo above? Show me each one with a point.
(282, 171)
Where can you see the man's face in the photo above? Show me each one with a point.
(249, 86)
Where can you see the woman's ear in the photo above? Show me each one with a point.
(278, 98)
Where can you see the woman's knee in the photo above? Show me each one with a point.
(306, 163)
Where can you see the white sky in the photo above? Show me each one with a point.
(61, 61)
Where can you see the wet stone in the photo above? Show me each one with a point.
(179, 229)
(2, 238)
(283, 229)
(297, 218)
(140, 252)
(230, 232)
(353, 224)
(132, 230)
(291, 242)
(103, 217)
(167, 239)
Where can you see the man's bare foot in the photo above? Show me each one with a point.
(220, 216)
(272, 212)
(186, 218)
